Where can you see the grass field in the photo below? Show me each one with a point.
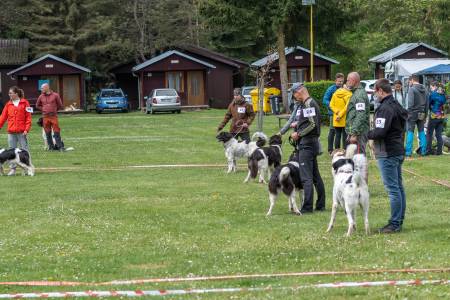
(102, 213)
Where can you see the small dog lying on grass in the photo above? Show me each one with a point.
(350, 188)
(19, 156)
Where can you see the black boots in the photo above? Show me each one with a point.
(59, 144)
(49, 138)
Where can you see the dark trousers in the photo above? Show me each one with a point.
(331, 135)
(310, 177)
(435, 125)
(244, 136)
(340, 135)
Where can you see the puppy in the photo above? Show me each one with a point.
(264, 159)
(235, 149)
(350, 189)
(286, 179)
(19, 156)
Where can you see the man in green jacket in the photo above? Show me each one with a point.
(358, 113)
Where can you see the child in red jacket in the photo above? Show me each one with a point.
(17, 112)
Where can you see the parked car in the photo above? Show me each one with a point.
(163, 100)
(246, 93)
(111, 99)
(369, 86)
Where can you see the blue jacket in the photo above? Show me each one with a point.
(327, 97)
(436, 104)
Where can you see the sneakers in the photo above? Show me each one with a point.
(12, 172)
(389, 228)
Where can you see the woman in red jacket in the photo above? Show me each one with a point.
(17, 112)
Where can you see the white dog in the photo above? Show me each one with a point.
(350, 188)
(235, 149)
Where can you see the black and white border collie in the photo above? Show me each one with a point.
(286, 179)
(264, 159)
(235, 149)
(350, 189)
(19, 156)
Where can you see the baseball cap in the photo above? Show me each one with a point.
(297, 86)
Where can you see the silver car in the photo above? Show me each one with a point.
(163, 100)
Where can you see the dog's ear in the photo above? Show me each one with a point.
(40, 122)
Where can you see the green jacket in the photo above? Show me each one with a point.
(358, 113)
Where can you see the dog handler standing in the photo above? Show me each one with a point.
(49, 103)
(18, 114)
(388, 134)
(307, 135)
(241, 114)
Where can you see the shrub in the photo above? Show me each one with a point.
(317, 90)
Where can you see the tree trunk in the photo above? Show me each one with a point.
(283, 68)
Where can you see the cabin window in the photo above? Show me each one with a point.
(296, 75)
(174, 80)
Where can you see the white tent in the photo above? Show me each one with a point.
(407, 67)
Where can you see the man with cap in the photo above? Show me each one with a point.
(241, 114)
(306, 135)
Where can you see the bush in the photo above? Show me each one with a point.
(317, 90)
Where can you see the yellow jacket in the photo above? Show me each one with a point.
(338, 105)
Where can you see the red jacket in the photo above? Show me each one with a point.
(49, 104)
(18, 117)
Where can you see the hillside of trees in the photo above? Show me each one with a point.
(100, 34)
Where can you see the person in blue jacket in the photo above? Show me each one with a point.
(436, 102)
(339, 82)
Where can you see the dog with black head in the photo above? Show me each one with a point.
(286, 179)
(18, 156)
(265, 159)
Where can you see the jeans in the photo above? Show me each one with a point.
(436, 125)
(17, 139)
(331, 135)
(391, 173)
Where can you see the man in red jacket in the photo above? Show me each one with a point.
(17, 112)
(49, 103)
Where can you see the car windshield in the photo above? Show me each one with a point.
(116, 93)
(166, 93)
(247, 91)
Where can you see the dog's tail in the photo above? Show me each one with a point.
(285, 180)
(357, 178)
(260, 138)
(351, 150)
(253, 160)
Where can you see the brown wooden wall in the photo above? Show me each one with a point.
(6, 83)
(41, 69)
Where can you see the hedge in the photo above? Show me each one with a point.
(316, 90)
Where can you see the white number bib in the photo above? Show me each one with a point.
(29, 109)
(360, 106)
(241, 110)
(309, 112)
(379, 122)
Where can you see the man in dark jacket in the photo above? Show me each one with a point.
(417, 105)
(241, 114)
(307, 133)
(339, 82)
(388, 133)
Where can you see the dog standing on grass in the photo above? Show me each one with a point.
(18, 156)
(286, 179)
(350, 188)
(263, 159)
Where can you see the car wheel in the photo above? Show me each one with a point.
(99, 111)
(173, 111)
(178, 111)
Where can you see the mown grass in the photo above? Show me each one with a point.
(85, 225)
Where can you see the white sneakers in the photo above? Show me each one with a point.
(12, 172)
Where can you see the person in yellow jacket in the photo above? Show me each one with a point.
(338, 105)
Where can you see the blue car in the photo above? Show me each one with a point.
(112, 99)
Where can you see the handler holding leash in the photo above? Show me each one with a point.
(307, 133)
(241, 114)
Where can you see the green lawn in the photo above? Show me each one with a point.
(77, 223)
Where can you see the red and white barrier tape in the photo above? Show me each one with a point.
(140, 293)
(223, 277)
